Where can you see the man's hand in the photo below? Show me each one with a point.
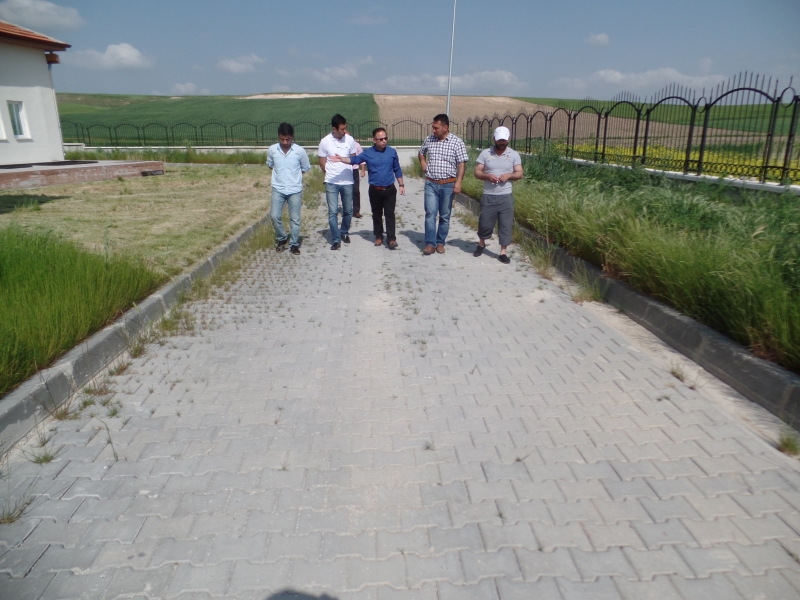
(457, 187)
(335, 158)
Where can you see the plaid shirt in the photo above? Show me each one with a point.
(443, 156)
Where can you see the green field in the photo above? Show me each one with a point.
(746, 117)
(89, 109)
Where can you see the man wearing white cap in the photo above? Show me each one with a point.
(497, 167)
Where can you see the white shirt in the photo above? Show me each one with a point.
(337, 172)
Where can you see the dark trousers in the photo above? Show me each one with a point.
(356, 192)
(383, 203)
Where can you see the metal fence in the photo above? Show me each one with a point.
(746, 127)
(243, 133)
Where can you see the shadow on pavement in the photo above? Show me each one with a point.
(415, 237)
(294, 595)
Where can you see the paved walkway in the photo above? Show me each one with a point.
(382, 425)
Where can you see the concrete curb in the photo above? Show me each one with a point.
(759, 380)
(27, 405)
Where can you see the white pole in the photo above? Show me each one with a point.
(452, 40)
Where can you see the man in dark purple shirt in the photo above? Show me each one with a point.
(383, 165)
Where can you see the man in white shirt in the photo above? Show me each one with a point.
(338, 178)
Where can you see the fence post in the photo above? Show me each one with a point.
(528, 134)
(597, 135)
(646, 135)
(605, 137)
(689, 140)
(570, 116)
(636, 136)
(787, 160)
(770, 136)
(703, 141)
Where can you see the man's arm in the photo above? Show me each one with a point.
(518, 174)
(422, 162)
(462, 166)
(398, 173)
(480, 173)
(305, 164)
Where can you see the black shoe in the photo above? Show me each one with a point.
(504, 259)
(336, 246)
(346, 239)
(479, 250)
(281, 246)
(295, 250)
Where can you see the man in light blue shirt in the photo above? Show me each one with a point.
(288, 162)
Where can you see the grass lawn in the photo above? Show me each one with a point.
(166, 222)
(106, 108)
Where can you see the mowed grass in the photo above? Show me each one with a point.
(53, 294)
(728, 258)
(89, 109)
(167, 223)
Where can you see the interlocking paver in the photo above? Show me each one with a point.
(378, 425)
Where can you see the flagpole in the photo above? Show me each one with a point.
(450, 76)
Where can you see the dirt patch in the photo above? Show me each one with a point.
(396, 107)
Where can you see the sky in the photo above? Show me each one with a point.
(562, 49)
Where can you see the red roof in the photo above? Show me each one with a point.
(19, 36)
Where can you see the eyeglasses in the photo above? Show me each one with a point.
(381, 139)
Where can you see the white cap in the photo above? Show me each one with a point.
(502, 133)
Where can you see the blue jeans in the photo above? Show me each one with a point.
(332, 191)
(276, 210)
(438, 199)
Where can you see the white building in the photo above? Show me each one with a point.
(30, 131)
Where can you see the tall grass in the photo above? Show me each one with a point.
(728, 258)
(173, 156)
(53, 294)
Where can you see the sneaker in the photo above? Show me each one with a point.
(440, 248)
(479, 250)
(295, 250)
(393, 245)
(379, 241)
(346, 239)
(336, 246)
(428, 250)
(281, 246)
(504, 259)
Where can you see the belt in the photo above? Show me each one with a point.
(380, 188)
(440, 181)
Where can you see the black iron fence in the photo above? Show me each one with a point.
(746, 127)
(216, 133)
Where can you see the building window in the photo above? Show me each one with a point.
(17, 114)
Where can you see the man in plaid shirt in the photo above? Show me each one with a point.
(443, 157)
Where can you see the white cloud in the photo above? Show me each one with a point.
(241, 64)
(598, 39)
(490, 82)
(368, 20)
(332, 74)
(611, 80)
(39, 14)
(116, 56)
(188, 89)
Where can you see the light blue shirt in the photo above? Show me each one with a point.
(287, 169)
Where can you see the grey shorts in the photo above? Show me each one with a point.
(497, 209)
